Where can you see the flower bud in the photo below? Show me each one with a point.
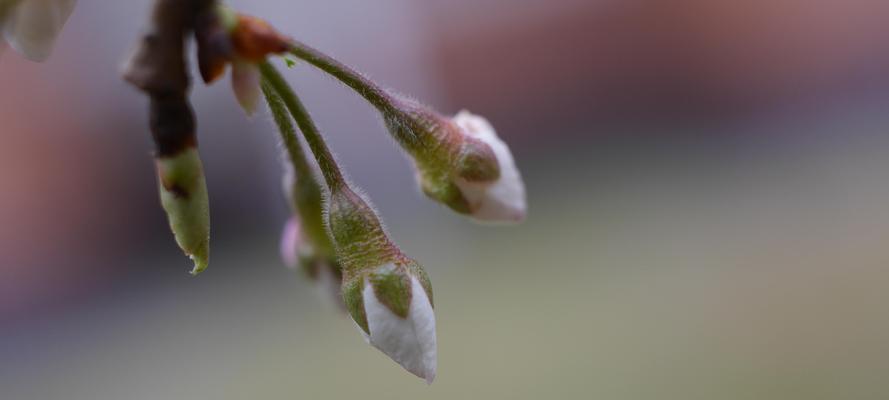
(499, 199)
(461, 162)
(304, 194)
(293, 243)
(324, 271)
(388, 295)
(392, 306)
(183, 194)
(31, 26)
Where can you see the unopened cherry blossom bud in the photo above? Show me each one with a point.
(32, 26)
(501, 199)
(387, 294)
(392, 306)
(461, 162)
(292, 243)
(305, 239)
(324, 271)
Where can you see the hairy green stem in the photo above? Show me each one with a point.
(373, 93)
(288, 133)
(355, 228)
(306, 194)
(329, 168)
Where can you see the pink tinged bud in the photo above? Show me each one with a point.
(291, 242)
(410, 339)
(245, 83)
(31, 26)
(297, 252)
(499, 200)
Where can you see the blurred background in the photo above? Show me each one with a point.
(708, 185)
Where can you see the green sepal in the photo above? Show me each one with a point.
(392, 286)
(353, 297)
(418, 272)
(356, 231)
(183, 194)
(440, 188)
(477, 162)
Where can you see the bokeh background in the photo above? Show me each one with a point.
(709, 208)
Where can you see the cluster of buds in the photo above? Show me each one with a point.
(333, 233)
(31, 26)
(387, 294)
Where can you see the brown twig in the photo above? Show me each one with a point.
(158, 68)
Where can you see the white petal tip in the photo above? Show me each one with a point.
(408, 341)
(429, 378)
(502, 201)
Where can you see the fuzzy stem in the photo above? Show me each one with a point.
(326, 162)
(373, 93)
(288, 132)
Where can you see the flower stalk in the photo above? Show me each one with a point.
(388, 294)
(304, 242)
(373, 93)
(326, 162)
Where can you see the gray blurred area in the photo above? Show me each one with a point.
(708, 187)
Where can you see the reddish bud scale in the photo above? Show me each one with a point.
(250, 39)
(253, 39)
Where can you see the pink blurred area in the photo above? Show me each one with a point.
(65, 199)
(674, 56)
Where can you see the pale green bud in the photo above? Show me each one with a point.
(183, 193)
